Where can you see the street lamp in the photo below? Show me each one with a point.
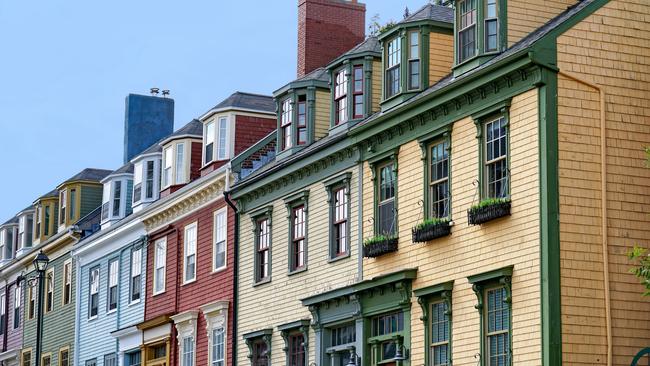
(40, 263)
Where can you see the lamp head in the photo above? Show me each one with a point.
(41, 261)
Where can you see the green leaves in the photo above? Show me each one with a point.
(488, 202)
(642, 258)
(378, 239)
(430, 222)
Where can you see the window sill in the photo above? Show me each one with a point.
(132, 303)
(297, 270)
(262, 282)
(154, 294)
(219, 270)
(339, 258)
(188, 282)
(92, 318)
(111, 311)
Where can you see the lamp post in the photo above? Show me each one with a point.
(40, 265)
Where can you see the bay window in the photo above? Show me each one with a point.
(138, 175)
(301, 127)
(341, 96)
(117, 198)
(414, 60)
(21, 232)
(208, 147)
(466, 29)
(46, 230)
(37, 227)
(223, 130)
(167, 166)
(393, 69)
(73, 203)
(357, 91)
(286, 120)
(491, 26)
(180, 163)
(189, 262)
(63, 204)
(160, 265)
(149, 179)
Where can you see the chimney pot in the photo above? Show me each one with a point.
(154, 91)
(165, 93)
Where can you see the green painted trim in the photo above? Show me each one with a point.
(264, 213)
(332, 184)
(435, 26)
(291, 202)
(300, 84)
(426, 297)
(337, 180)
(297, 327)
(434, 289)
(265, 335)
(294, 325)
(376, 163)
(491, 275)
(500, 107)
(549, 222)
(435, 137)
(298, 196)
(424, 57)
(487, 115)
(257, 333)
(405, 274)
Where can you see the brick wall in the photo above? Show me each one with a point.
(326, 29)
(249, 130)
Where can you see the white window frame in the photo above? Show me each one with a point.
(209, 138)
(63, 197)
(154, 182)
(160, 262)
(138, 178)
(17, 301)
(215, 237)
(167, 163)
(222, 138)
(67, 279)
(93, 288)
(216, 316)
(47, 284)
(113, 280)
(186, 327)
(179, 164)
(135, 271)
(187, 253)
(123, 187)
(21, 232)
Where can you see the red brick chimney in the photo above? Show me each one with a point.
(326, 29)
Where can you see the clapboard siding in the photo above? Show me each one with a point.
(91, 198)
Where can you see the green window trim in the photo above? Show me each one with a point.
(481, 119)
(481, 284)
(332, 186)
(300, 327)
(292, 203)
(264, 335)
(400, 337)
(264, 213)
(480, 53)
(438, 136)
(376, 163)
(303, 94)
(427, 297)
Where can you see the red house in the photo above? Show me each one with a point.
(190, 254)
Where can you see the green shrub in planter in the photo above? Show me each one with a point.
(379, 245)
(488, 209)
(430, 229)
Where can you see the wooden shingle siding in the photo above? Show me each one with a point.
(58, 325)
(609, 48)
(524, 16)
(278, 302)
(322, 118)
(441, 55)
(91, 198)
(471, 250)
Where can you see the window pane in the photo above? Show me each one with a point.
(209, 142)
(223, 134)
(491, 35)
(180, 163)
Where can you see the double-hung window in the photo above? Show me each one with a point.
(497, 318)
(467, 30)
(168, 156)
(64, 357)
(46, 360)
(357, 91)
(136, 274)
(298, 250)
(62, 198)
(26, 358)
(439, 179)
(110, 360)
(301, 126)
(117, 197)
(339, 219)
(189, 263)
(296, 351)
(180, 163)
(17, 300)
(220, 232)
(21, 232)
(496, 163)
(217, 355)
(393, 69)
(440, 330)
(138, 175)
(262, 249)
(113, 273)
(3, 313)
(149, 179)
(414, 60)
(67, 282)
(208, 147)
(49, 290)
(31, 301)
(260, 353)
(386, 204)
(46, 231)
(93, 300)
(160, 265)
(188, 351)
(37, 227)
(491, 26)
(73, 203)
(223, 138)
(341, 96)
(286, 120)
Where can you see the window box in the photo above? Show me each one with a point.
(488, 210)
(431, 229)
(379, 245)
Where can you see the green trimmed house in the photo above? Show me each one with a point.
(486, 195)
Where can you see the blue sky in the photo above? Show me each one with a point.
(66, 67)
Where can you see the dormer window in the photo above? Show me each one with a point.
(37, 227)
(149, 180)
(287, 119)
(302, 120)
(491, 26)
(357, 91)
(467, 30)
(167, 164)
(215, 131)
(114, 205)
(117, 194)
(394, 56)
(341, 96)
(414, 60)
(143, 172)
(62, 200)
(175, 164)
(180, 163)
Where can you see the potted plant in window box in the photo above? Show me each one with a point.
(379, 245)
(488, 209)
(430, 229)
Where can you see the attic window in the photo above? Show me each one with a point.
(302, 120)
(285, 126)
(467, 29)
(394, 56)
(341, 97)
(491, 26)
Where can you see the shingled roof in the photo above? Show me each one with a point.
(13, 220)
(320, 74)
(193, 129)
(124, 169)
(433, 12)
(52, 193)
(89, 174)
(247, 101)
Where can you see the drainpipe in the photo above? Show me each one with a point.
(235, 281)
(360, 222)
(603, 193)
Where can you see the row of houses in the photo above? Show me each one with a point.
(459, 186)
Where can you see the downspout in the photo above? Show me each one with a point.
(603, 193)
(235, 281)
(360, 222)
